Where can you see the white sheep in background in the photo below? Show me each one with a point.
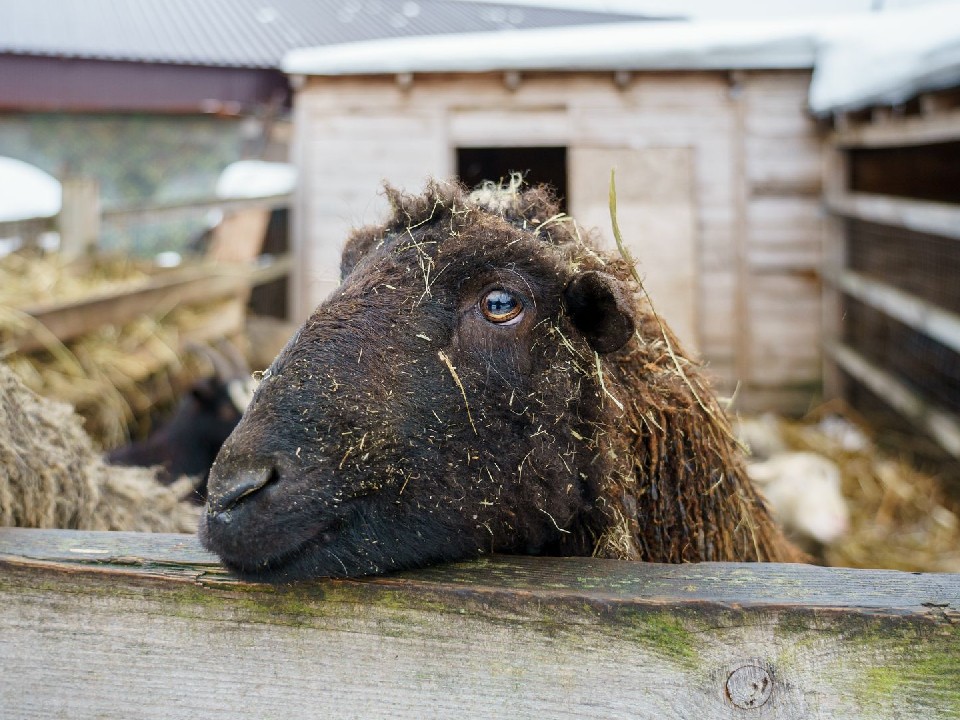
(761, 435)
(803, 489)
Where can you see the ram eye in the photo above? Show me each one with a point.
(501, 307)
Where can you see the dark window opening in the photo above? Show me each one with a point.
(921, 172)
(539, 165)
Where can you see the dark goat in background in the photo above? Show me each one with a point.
(205, 417)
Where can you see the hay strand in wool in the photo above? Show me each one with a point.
(632, 265)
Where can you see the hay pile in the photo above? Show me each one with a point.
(51, 477)
(103, 373)
(900, 517)
(27, 279)
(117, 375)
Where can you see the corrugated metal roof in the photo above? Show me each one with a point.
(247, 33)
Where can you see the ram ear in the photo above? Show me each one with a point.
(596, 305)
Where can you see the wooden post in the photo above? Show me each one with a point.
(119, 625)
(79, 220)
(834, 263)
(743, 361)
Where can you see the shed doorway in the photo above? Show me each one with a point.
(539, 165)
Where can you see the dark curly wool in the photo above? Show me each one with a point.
(402, 426)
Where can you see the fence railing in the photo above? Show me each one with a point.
(149, 227)
(18, 233)
(893, 260)
(151, 212)
(83, 218)
(118, 625)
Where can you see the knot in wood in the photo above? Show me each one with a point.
(749, 686)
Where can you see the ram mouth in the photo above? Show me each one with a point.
(276, 567)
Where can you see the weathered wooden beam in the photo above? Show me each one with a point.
(941, 425)
(155, 212)
(743, 338)
(925, 317)
(940, 126)
(73, 318)
(277, 267)
(118, 625)
(836, 174)
(919, 215)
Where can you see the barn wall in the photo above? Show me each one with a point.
(753, 188)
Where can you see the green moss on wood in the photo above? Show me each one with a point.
(665, 633)
(930, 669)
(900, 653)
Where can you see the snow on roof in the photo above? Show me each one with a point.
(887, 59)
(623, 46)
(27, 192)
(256, 178)
(712, 9)
(859, 59)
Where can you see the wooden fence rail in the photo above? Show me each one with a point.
(119, 625)
(153, 212)
(27, 230)
(83, 215)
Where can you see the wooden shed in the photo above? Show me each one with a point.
(717, 166)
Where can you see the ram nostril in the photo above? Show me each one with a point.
(229, 491)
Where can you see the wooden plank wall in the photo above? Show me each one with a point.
(756, 159)
(121, 625)
(784, 229)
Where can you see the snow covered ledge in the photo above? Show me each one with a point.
(630, 46)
